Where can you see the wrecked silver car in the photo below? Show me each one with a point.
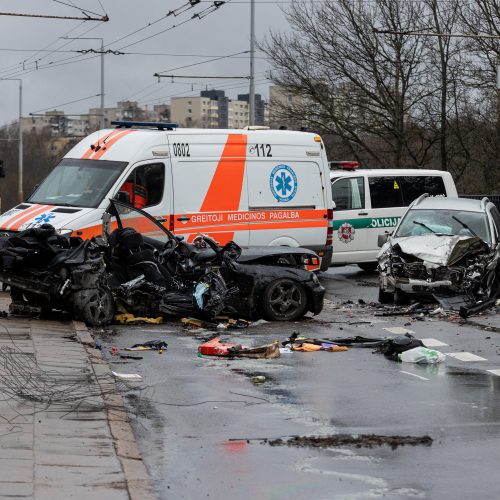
(444, 249)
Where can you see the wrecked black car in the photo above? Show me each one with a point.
(443, 249)
(139, 267)
(48, 271)
(203, 279)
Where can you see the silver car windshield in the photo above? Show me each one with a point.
(450, 222)
(78, 183)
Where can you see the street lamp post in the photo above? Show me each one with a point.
(251, 96)
(20, 168)
(102, 70)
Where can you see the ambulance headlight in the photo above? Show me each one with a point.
(64, 232)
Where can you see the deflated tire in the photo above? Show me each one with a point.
(94, 306)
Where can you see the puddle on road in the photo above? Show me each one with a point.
(348, 440)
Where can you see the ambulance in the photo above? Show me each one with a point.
(253, 186)
(369, 202)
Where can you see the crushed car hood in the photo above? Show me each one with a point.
(437, 250)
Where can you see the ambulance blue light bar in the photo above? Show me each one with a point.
(157, 125)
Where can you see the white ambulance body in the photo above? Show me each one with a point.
(369, 202)
(256, 187)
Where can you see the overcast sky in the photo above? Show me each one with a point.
(62, 77)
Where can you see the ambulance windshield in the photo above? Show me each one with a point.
(78, 183)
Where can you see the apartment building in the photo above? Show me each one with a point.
(213, 109)
(61, 125)
(57, 123)
(200, 112)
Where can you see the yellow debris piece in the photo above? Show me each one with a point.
(130, 319)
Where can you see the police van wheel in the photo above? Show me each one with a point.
(385, 297)
(368, 267)
(284, 300)
(95, 307)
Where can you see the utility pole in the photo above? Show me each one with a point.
(251, 95)
(20, 167)
(102, 124)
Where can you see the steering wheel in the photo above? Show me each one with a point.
(168, 250)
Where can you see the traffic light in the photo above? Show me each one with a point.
(2, 170)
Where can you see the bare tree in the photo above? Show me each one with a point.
(350, 82)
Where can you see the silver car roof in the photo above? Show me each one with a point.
(442, 203)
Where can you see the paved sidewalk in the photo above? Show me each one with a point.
(63, 430)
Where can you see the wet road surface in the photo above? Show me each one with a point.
(201, 422)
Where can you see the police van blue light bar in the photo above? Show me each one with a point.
(157, 125)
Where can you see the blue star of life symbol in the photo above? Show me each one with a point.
(43, 218)
(283, 183)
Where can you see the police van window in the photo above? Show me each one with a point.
(348, 193)
(145, 185)
(415, 186)
(386, 192)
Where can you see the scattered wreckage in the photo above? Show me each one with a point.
(131, 269)
(446, 250)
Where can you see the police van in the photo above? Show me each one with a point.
(256, 187)
(370, 202)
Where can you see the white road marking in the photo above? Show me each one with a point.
(495, 372)
(465, 356)
(413, 375)
(398, 330)
(432, 342)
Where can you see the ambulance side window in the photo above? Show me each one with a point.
(386, 192)
(349, 193)
(145, 185)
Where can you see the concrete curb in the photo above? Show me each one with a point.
(139, 483)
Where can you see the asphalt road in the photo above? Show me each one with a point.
(201, 422)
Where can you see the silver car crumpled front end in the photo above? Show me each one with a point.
(439, 264)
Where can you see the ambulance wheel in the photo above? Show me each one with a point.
(94, 306)
(284, 300)
(385, 297)
(368, 267)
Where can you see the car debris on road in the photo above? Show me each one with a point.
(215, 347)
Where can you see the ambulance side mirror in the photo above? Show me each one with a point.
(382, 239)
(123, 196)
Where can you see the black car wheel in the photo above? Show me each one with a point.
(284, 300)
(368, 267)
(385, 297)
(94, 306)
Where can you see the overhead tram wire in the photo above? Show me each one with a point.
(227, 86)
(202, 62)
(64, 104)
(81, 9)
(192, 18)
(63, 61)
(3, 71)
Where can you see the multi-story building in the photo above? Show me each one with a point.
(194, 112)
(213, 109)
(261, 112)
(57, 123)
